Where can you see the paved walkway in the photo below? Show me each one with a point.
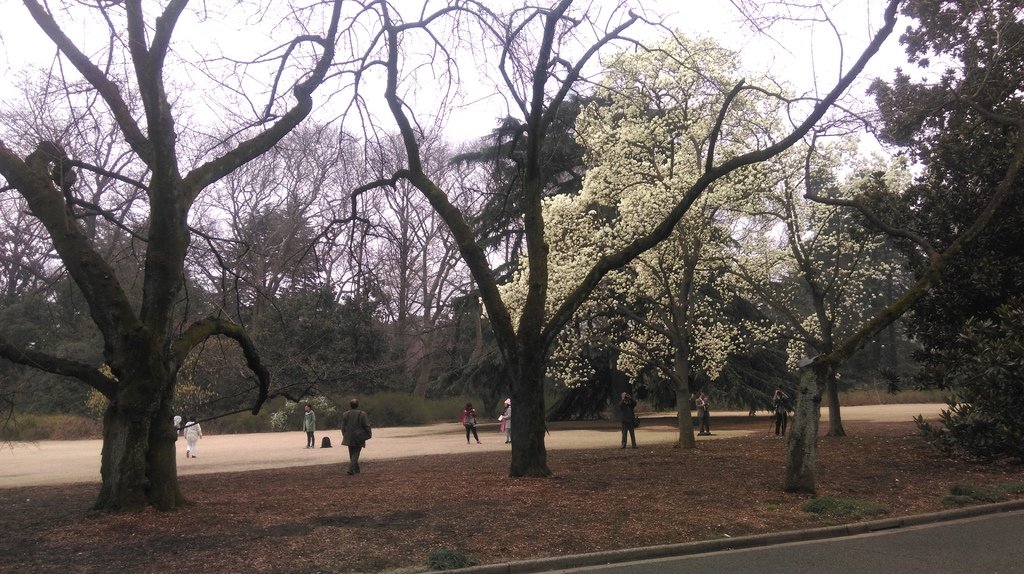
(64, 462)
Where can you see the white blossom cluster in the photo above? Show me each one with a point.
(812, 271)
(645, 145)
(813, 268)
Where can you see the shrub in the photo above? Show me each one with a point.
(50, 427)
(394, 409)
(844, 507)
(400, 409)
(985, 419)
(449, 559)
(875, 397)
(238, 423)
(289, 415)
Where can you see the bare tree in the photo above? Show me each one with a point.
(414, 258)
(143, 344)
(544, 54)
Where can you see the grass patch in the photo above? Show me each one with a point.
(450, 559)
(844, 507)
(961, 494)
(1016, 487)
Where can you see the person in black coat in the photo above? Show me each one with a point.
(355, 431)
(626, 406)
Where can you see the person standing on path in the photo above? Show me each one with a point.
(309, 425)
(469, 421)
(506, 421)
(193, 432)
(704, 414)
(177, 425)
(355, 431)
(626, 406)
(780, 403)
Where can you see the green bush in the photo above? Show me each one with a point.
(449, 559)
(394, 410)
(875, 397)
(844, 507)
(985, 419)
(238, 423)
(400, 409)
(289, 415)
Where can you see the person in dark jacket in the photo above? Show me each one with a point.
(704, 414)
(469, 421)
(626, 406)
(780, 407)
(355, 431)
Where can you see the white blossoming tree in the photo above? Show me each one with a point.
(544, 56)
(811, 265)
(818, 369)
(644, 139)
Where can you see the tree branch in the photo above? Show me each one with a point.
(198, 332)
(107, 89)
(936, 264)
(202, 176)
(88, 374)
(621, 258)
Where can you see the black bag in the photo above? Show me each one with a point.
(362, 434)
(636, 422)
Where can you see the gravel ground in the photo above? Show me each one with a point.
(69, 462)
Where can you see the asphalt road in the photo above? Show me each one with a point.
(990, 544)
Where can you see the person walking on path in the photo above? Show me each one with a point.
(177, 425)
(193, 432)
(704, 415)
(469, 421)
(626, 406)
(506, 421)
(309, 425)
(780, 405)
(355, 431)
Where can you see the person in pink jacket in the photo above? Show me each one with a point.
(506, 421)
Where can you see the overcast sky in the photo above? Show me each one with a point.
(799, 53)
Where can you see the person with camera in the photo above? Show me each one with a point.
(704, 414)
(626, 406)
(781, 408)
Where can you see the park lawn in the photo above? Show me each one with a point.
(396, 512)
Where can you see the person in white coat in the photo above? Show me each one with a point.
(193, 432)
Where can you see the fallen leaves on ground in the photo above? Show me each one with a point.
(393, 514)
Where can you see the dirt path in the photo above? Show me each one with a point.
(64, 462)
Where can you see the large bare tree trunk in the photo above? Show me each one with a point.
(801, 462)
(138, 465)
(529, 455)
